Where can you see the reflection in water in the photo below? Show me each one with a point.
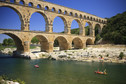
(62, 72)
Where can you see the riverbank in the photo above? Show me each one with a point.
(94, 53)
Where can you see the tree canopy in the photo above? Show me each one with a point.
(115, 30)
(8, 42)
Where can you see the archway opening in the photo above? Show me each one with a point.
(37, 22)
(97, 29)
(65, 12)
(53, 9)
(39, 6)
(97, 33)
(71, 14)
(75, 27)
(30, 4)
(59, 11)
(21, 2)
(10, 18)
(12, 42)
(87, 29)
(40, 43)
(77, 43)
(89, 42)
(59, 24)
(46, 8)
(61, 43)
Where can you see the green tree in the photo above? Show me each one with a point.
(34, 40)
(5, 42)
(8, 42)
(115, 30)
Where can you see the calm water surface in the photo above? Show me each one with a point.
(62, 72)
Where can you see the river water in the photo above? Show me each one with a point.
(62, 72)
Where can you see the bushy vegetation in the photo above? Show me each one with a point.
(121, 55)
(34, 40)
(8, 42)
(4, 77)
(115, 30)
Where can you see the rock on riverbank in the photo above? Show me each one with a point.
(92, 53)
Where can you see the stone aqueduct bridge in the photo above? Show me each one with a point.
(49, 11)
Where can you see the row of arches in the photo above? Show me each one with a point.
(60, 11)
(38, 21)
(63, 42)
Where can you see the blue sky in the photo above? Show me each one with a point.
(9, 19)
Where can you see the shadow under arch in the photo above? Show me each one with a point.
(43, 42)
(19, 14)
(63, 43)
(18, 42)
(64, 21)
(89, 42)
(97, 29)
(77, 43)
(45, 18)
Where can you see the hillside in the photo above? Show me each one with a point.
(76, 31)
(115, 30)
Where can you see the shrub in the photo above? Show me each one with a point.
(121, 55)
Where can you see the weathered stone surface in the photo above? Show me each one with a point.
(23, 37)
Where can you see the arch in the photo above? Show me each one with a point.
(30, 4)
(65, 13)
(76, 15)
(71, 14)
(39, 6)
(53, 9)
(60, 25)
(97, 29)
(91, 18)
(88, 28)
(46, 8)
(94, 19)
(76, 29)
(63, 43)
(84, 17)
(43, 15)
(22, 2)
(88, 17)
(97, 20)
(17, 40)
(43, 42)
(78, 44)
(89, 42)
(80, 15)
(59, 11)
(18, 13)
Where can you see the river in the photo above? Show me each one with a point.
(62, 72)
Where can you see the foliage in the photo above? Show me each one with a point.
(115, 30)
(121, 55)
(56, 43)
(4, 77)
(75, 31)
(8, 42)
(34, 40)
(87, 30)
(97, 38)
